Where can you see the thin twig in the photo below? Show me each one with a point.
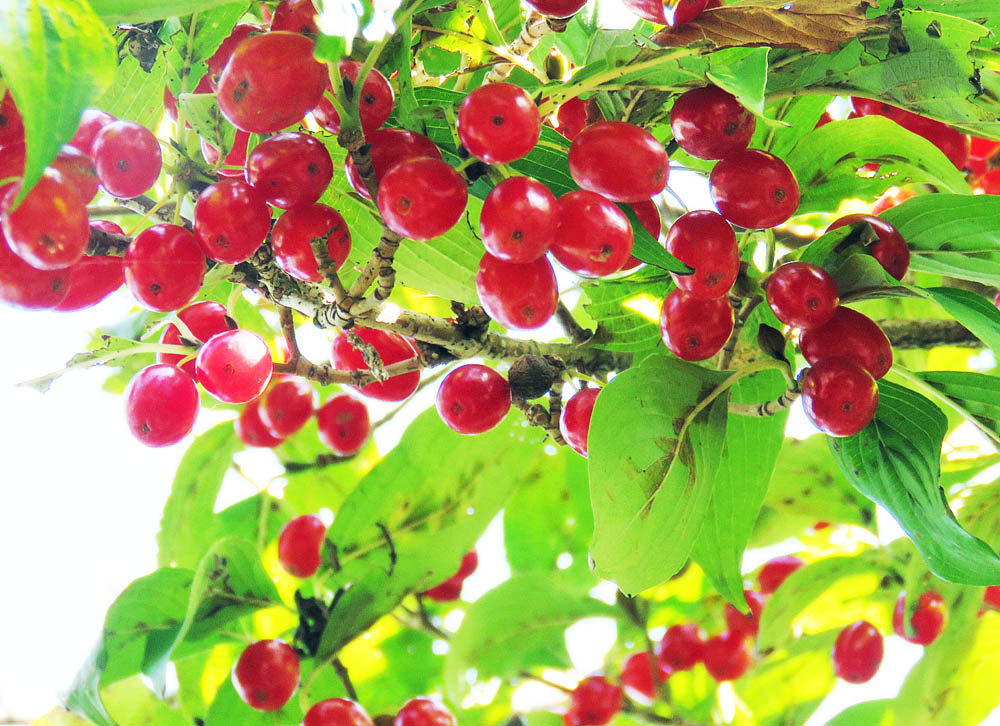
(345, 678)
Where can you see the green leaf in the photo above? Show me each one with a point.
(742, 72)
(57, 58)
(977, 394)
(517, 626)
(649, 489)
(975, 312)
(866, 713)
(616, 305)
(202, 111)
(228, 709)
(188, 513)
(131, 702)
(194, 42)
(120, 12)
(135, 94)
(895, 461)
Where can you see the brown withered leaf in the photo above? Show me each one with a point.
(814, 25)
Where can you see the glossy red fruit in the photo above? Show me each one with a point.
(11, 123)
(287, 406)
(619, 160)
(392, 348)
(695, 329)
(649, 217)
(423, 712)
(271, 81)
(926, 622)
(705, 241)
(571, 117)
(237, 156)
(296, 230)
(574, 421)
(680, 647)
(517, 296)
(164, 267)
(557, 8)
(299, 545)
(824, 120)
(161, 405)
(709, 123)
(498, 123)
(849, 334)
(839, 396)
(451, 589)
(78, 170)
(377, 100)
(91, 122)
(252, 431)
(92, 279)
(203, 319)
(802, 295)
(667, 12)
(234, 366)
(217, 62)
(231, 221)
(343, 424)
(775, 571)
(519, 220)
(290, 169)
(422, 198)
(473, 399)
(637, 674)
(594, 237)
(11, 164)
(22, 286)
(726, 656)
(992, 596)
(754, 189)
(747, 625)
(266, 674)
(337, 712)
(298, 16)
(857, 654)
(128, 159)
(595, 701)
(388, 148)
(890, 250)
(49, 229)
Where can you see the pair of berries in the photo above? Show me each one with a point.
(342, 712)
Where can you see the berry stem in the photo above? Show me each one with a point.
(576, 332)
(768, 408)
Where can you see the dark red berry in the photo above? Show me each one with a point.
(297, 230)
(237, 156)
(376, 104)
(574, 421)
(754, 189)
(926, 622)
(519, 220)
(11, 164)
(839, 396)
(849, 334)
(388, 148)
(952, 143)
(423, 712)
(992, 596)
(695, 329)
(91, 123)
(299, 545)
(726, 656)
(287, 406)
(637, 674)
(161, 405)
(802, 295)
(22, 286)
(252, 431)
(710, 123)
(705, 241)
(451, 589)
(595, 701)
(290, 169)
(775, 571)
(203, 319)
(128, 158)
(217, 62)
(680, 647)
(667, 12)
(11, 123)
(231, 221)
(473, 398)
(298, 16)
(49, 229)
(557, 8)
(266, 674)
(619, 160)
(517, 296)
(498, 123)
(422, 198)
(649, 217)
(392, 348)
(91, 280)
(890, 250)
(571, 117)
(857, 654)
(78, 170)
(594, 237)
(164, 267)
(746, 625)
(343, 424)
(337, 712)
(234, 366)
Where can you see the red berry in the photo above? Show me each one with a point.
(161, 405)
(79, 172)
(252, 431)
(595, 701)
(849, 334)
(22, 286)
(754, 189)
(776, 571)
(747, 625)
(519, 220)
(857, 653)
(594, 237)
(726, 656)
(164, 267)
(498, 123)
(270, 82)
(710, 123)
(298, 16)
(266, 674)
(473, 399)
(705, 241)
(649, 217)
(637, 674)
(839, 396)
(667, 12)
(91, 280)
(823, 120)
(423, 712)
(49, 229)
(890, 250)
(557, 8)
(299, 545)
(337, 712)
(237, 156)
(11, 123)
(295, 232)
(290, 169)
(619, 160)
(11, 164)
(377, 99)
(392, 348)
(422, 198)
(517, 296)
(681, 647)
(231, 221)
(695, 329)
(203, 319)
(451, 589)
(234, 366)
(217, 62)
(992, 596)
(980, 148)
(927, 620)
(802, 295)
(287, 406)
(574, 421)
(91, 123)
(343, 424)
(571, 117)
(128, 159)
(388, 148)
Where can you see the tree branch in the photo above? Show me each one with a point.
(535, 27)
(908, 334)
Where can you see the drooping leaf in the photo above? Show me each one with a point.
(628, 310)
(742, 72)
(136, 94)
(975, 312)
(977, 394)
(866, 713)
(117, 12)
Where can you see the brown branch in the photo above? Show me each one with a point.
(574, 331)
(286, 316)
(536, 26)
(142, 205)
(107, 244)
(325, 375)
(320, 462)
(929, 333)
